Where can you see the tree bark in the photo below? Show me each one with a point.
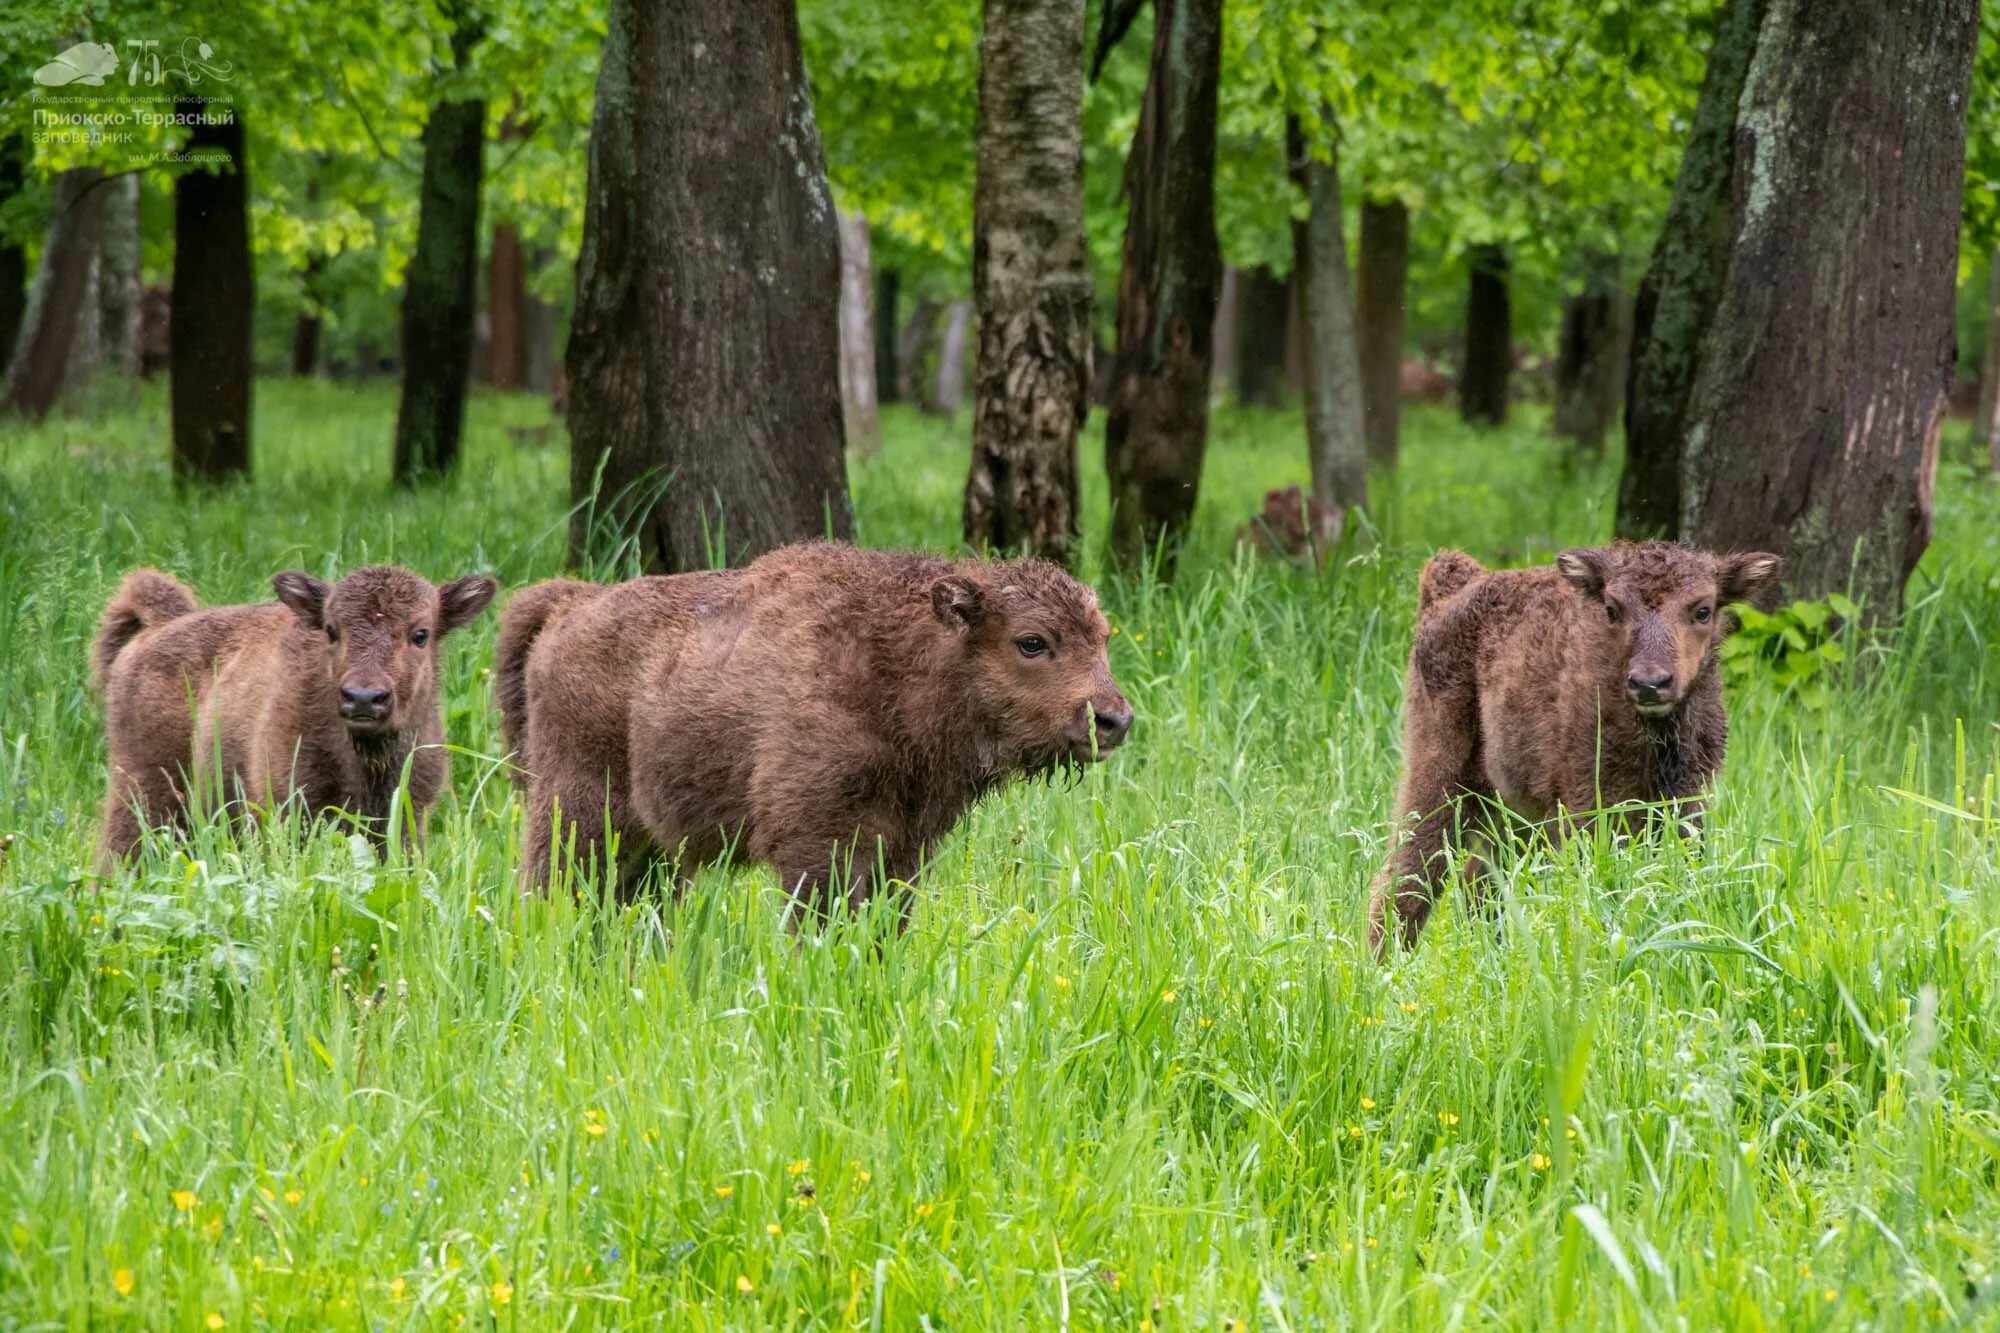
(506, 309)
(213, 305)
(1489, 339)
(86, 339)
(118, 278)
(1030, 280)
(705, 380)
(1590, 356)
(949, 394)
(306, 328)
(1986, 426)
(916, 345)
(1384, 266)
(1222, 335)
(61, 296)
(1822, 377)
(1156, 429)
(1683, 282)
(860, 414)
(439, 288)
(1263, 327)
(1335, 442)
(13, 255)
(888, 370)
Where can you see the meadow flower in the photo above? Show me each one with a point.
(743, 1284)
(1447, 1117)
(214, 1319)
(1354, 1131)
(800, 1167)
(294, 1197)
(1207, 1023)
(397, 1288)
(121, 1282)
(1539, 1161)
(503, 1292)
(773, 1229)
(925, 1209)
(270, 1195)
(1367, 1103)
(184, 1200)
(1168, 997)
(1062, 982)
(863, 1177)
(1409, 1006)
(593, 1123)
(724, 1191)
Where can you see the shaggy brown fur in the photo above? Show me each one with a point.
(831, 711)
(1292, 525)
(323, 695)
(1556, 691)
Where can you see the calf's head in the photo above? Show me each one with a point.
(1662, 613)
(382, 627)
(1033, 641)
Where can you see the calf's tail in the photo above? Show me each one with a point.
(144, 599)
(528, 613)
(1444, 574)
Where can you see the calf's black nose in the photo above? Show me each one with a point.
(1647, 687)
(1111, 727)
(354, 698)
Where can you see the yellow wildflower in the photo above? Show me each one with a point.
(1409, 1006)
(184, 1200)
(1168, 997)
(1540, 1161)
(1367, 1103)
(724, 1191)
(743, 1284)
(1448, 1117)
(214, 1319)
(397, 1288)
(503, 1292)
(773, 1229)
(925, 1209)
(121, 1281)
(800, 1167)
(1062, 982)
(294, 1197)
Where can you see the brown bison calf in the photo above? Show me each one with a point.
(322, 695)
(1556, 691)
(829, 710)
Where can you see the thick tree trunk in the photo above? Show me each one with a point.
(506, 309)
(1335, 444)
(13, 255)
(1683, 282)
(539, 331)
(888, 372)
(705, 402)
(61, 297)
(439, 296)
(1384, 267)
(1489, 339)
(118, 278)
(949, 395)
(916, 345)
(1986, 424)
(1590, 356)
(306, 328)
(860, 414)
(1821, 382)
(1030, 280)
(1156, 429)
(214, 302)
(1263, 329)
(86, 339)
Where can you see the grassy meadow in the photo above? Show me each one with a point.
(1131, 1067)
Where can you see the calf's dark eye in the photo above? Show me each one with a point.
(420, 637)
(332, 634)
(1701, 615)
(1611, 612)
(1031, 645)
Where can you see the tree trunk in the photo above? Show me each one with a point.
(888, 373)
(1822, 378)
(307, 327)
(1986, 426)
(1030, 280)
(1590, 356)
(118, 278)
(703, 357)
(949, 395)
(507, 310)
(1263, 326)
(439, 295)
(86, 340)
(60, 297)
(1335, 444)
(860, 415)
(916, 345)
(13, 255)
(1156, 430)
(539, 331)
(1683, 282)
(214, 302)
(1384, 264)
(1222, 336)
(1489, 339)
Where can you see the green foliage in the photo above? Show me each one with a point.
(1797, 647)
(1132, 1048)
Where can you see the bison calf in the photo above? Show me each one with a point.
(829, 710)
(323, 695)
(1556, 691)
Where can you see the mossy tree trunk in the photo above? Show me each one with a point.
(1156, 427)
(439, 288)
(705, 384)
(118, 279)
(213, 304)
(861, 414)
(62, 296)
(1590, 360)
(1489, 338)
(1335, 444)
(1383, 264)
(1822, 375)
(1029, 280)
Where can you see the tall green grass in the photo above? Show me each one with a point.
(1130, 1067)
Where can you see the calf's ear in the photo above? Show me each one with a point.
(1742, 576)
(305, 594)
(1584, 568)
(958, 602)
(461, 600)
